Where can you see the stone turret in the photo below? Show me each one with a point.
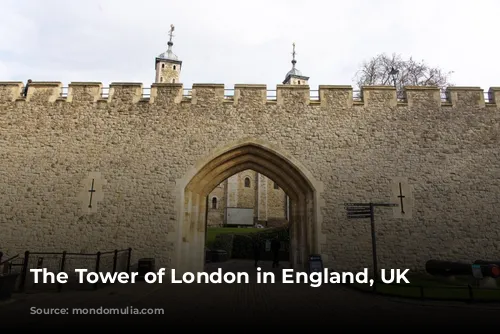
(294, 76)
(168, 66)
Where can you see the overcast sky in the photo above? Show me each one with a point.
(244, 41)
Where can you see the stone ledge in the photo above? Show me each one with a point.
(339, 87)
(250, 86)
(174, 85)
(378, 88)
(452, 88)
(205, 85)
(135, 84)
(46, 83)
(421, 88)
(300, 87)
(85, 84)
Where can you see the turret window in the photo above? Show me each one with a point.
(162, 65)
(299, 82)
(174, 67)
(247, 182)
(161, 79)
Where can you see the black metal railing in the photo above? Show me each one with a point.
(272, 96)
(401, 96)
(6, 264)
(57, 262)
(445, 97)
(488, 97)
(357, 95)
(105, 92)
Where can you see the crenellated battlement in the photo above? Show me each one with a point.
(164, 93)
(159, 150)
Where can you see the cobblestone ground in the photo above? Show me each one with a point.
(242, 307)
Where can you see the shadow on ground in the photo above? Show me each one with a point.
(240, 307)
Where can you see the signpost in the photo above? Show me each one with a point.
(477, 271)
(315, 263)
(363, 211)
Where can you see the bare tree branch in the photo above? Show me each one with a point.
(411, 73)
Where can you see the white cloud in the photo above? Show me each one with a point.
(243, 42)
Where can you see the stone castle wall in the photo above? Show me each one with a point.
(448, 152)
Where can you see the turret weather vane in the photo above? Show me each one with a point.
(171, 32)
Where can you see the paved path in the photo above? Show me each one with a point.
(241, 307)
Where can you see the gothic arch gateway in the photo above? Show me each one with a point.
(293, 178)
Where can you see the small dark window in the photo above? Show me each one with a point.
(173, 80)
(174, 67)
(214, 202)
(299, 82)
(161, 79)
(247, 182)
(162, 65)
(276, 186)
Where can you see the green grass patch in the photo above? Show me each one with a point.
(434, 288)
(215, 231)
(486, 295)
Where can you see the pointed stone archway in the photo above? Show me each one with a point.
(289, 174)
